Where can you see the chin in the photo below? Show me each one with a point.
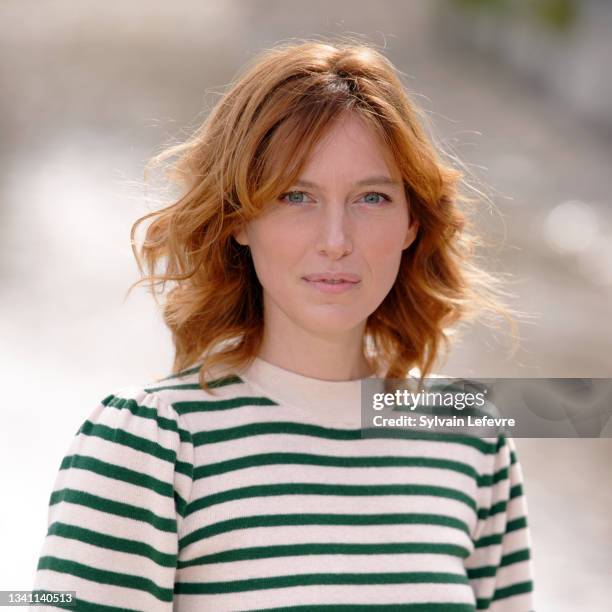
(333, 320)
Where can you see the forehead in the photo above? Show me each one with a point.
(350, 148)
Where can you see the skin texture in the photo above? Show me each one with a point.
(337, 226)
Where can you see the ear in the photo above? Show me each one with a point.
(411, 234)
(240, 236)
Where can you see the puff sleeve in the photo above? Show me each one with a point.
(500, 568)
(117, 506)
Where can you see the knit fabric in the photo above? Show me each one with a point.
(265, 496)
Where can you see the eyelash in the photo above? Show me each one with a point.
(378, 193)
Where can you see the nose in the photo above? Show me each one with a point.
(334, 236)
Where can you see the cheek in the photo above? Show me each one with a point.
(384, 264)
(383, 245)
(274, 250)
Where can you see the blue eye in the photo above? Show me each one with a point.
(380, 195)
(290, 194)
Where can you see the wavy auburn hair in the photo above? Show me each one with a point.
(250, 148)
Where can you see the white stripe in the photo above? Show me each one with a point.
(323, 474)
(105, 594)
(115, 490)
(107, 559)
(328, 594)
(331, 504)
(111, 524)
(212, 451)
(313, 564)
(308, 534)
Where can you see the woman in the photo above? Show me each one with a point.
(318, 242)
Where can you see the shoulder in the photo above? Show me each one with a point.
(173, 396)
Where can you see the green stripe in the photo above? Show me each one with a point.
(102, 504)
(265, 552)
(496, 538)
(120, 436)
(138, 443)
(516, 491)
(305, 429)
(222, 467)
(146, 412)
(501, 442)
(294, 520)
(179, 387)
(489, 540)
(515, 524)
(496, 508)
(187, 407)
(500, 506)
(491, 570)
(500, 475)
(486, 571)
(102, 540)
(180, 504)
(81, 605)
(117, 472)
(514, 589)
(515, 557)
(184, 467)
(126, 475)
(279, 582)
(299, 488)
(486, 480)
(93, 574)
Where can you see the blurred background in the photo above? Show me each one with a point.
(519, 91)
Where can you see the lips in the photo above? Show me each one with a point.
(339, 276)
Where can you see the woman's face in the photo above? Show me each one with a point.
(343, 216)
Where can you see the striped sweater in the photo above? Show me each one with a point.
(265, 496)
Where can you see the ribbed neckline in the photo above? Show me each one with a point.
(324, 401)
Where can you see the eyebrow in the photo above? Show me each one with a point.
(371, 180)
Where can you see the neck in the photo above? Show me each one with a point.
(328, 358)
